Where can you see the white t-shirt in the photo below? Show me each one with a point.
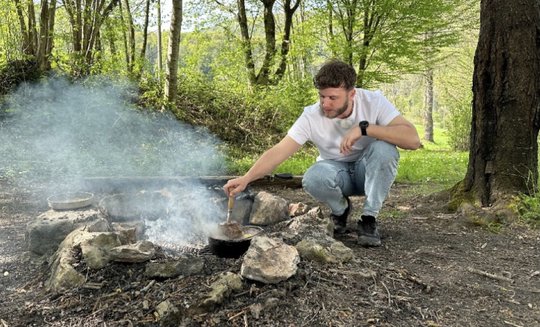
(327, 133)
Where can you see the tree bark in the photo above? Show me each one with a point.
(24, 31)
(285, 43)
(131, 29)
(428, 106)
(171, 78)
(124, 37)
(41, 55)
(160, 45)
(142, 55)
(503, 158)
(246, 41)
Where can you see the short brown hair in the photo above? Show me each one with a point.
(335, 73)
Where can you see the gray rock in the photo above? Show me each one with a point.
(268, 209)
(225, 285)
(168, 314)
(44, 234)
(139, 252)
(269, 260)
(184, 266)
(95, 251)
(324, 249)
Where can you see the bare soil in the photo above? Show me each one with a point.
(434, 269)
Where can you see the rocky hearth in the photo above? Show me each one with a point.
(91, 237)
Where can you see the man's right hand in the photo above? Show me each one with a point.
(235, 186)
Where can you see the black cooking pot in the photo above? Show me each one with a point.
(225, 247)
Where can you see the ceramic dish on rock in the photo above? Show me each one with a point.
(70, 201)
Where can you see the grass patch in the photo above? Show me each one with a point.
(528, 209)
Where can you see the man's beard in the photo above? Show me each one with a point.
(337, 112)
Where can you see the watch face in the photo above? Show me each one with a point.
(364, 124)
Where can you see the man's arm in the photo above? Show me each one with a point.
(399, 132)
(268, 161)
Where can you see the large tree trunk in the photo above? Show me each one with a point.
(428, 106)
(503, 158)
(171, 78)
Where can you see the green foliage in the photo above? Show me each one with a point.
(454, 90)
(13, 73)
(432, 166)
(433, 163)
(528, 208)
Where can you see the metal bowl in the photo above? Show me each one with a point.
(70, 201)
(225, 247)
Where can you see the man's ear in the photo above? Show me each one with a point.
(352, 94)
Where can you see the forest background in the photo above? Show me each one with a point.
(245, 68)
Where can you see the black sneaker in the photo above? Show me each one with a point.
(368, 233)
(340, 222)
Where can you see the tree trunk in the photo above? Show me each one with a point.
(171, 78)
(50, 34)
(41, 55)
(124, 37)
(32, 29)
(131, 29)
(503, 158)
(145, 37)
(428, 106)
(286, 42)
(246, 41)
(86, 18)
(24, 31)
(263, 77)
(160, 45)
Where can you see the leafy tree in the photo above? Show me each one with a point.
(86, 19)
(246, 14)
(384, 39)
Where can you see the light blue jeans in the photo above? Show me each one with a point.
(372, 175)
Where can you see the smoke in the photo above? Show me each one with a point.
(59, 133)
(57, 129)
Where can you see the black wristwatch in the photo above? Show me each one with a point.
(363, 126)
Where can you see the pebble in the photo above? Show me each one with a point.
(6, 273)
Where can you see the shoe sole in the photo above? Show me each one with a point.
(367, 241)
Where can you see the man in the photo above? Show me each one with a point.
(356, 132)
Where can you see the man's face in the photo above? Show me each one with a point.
(336, 102)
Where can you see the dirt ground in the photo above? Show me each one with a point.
(434, 269)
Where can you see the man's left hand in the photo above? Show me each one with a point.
(352, 136)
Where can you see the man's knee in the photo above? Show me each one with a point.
(383, 151)
(318, 176)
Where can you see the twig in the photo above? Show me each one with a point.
(418, 281)
(93, 286)
(237, 314)
(331, 281)
(147, 287)
(512, 324)
(387, 293)
(489, 275)
(364, 274)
